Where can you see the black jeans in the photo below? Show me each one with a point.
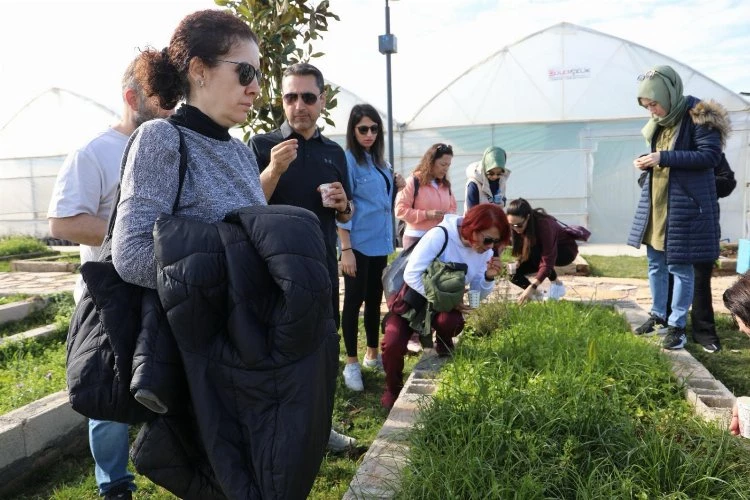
(367, 287)
(564, 257)
(702, 311)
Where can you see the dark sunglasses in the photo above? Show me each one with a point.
(307, 97)
(518, 224)
(246, 72)
(443, 149)
(362, 129)
(491, 241)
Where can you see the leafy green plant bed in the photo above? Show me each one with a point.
(562, 401)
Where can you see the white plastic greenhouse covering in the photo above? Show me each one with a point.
(33, 146)
(562, 103)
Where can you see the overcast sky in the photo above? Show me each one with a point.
(84, 45)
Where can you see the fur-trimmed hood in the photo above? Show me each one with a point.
(712, 115)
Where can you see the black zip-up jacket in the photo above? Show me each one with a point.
(248, 302)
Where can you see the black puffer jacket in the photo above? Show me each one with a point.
(248, 300)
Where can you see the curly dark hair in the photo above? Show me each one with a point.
(206, 34)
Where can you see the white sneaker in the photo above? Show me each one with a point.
(340, 442)
(374, 364)
(556, 290)
(353, 377)
(414, 346)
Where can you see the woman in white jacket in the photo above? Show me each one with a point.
(474, 239)
(486, 179)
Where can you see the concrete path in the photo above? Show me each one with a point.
(36, 283)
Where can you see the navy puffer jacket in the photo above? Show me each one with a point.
(248, 301)
(693, 210)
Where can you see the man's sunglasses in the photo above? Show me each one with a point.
(246, 72)
(362, 129)
(307, 97)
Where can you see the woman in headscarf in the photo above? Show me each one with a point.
(485, 179)
(678, 212)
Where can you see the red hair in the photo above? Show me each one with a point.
(482, 217)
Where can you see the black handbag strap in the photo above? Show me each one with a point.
(175, 205)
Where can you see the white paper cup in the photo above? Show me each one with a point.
(743, 412)
(474, 298)
(326, 190)
(512, 266)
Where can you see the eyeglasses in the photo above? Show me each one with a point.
(362, 129)
(491, 241)
(246, 71)
(650, 75)
(307, 97)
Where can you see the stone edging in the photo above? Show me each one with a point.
(379, 473)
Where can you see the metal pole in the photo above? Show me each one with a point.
(388, 86)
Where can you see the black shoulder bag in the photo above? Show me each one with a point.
(103, 331)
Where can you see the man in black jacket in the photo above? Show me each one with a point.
(295, 159)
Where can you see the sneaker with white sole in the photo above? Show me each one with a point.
(414, 346)
(374, 364)
(654, 324)
(340, 442)
(353, 377)
(712, 348)
(556, 290)
(676, 338)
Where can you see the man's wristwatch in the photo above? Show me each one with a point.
(347, 210)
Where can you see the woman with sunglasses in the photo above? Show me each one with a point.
(366, 240)
(539, 243)
(486, 179)
(427, 196)
(211, 63)
(473, 239)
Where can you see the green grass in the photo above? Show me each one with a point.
(58, 309)
(15, 245)
(621, 266)
(503, 345)
(731, 365)
(561, 401)
(16, 297)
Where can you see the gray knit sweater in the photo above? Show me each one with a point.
(221, 176)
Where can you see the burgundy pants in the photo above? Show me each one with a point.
(396, 334)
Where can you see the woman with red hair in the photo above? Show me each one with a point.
(474, 239)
